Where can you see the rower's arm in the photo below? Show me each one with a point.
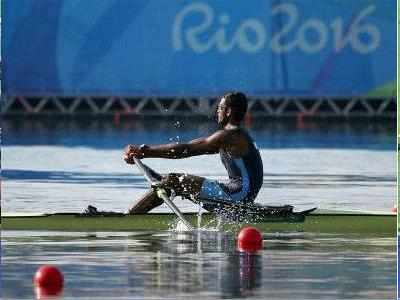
(208, 145)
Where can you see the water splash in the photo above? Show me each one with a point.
(181, 227)
(199, 214)
(175, 139)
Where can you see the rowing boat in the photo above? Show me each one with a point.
(266, 218)
(319, 221)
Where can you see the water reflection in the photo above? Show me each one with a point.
(242, 275)
(201, 264)
(197, 262)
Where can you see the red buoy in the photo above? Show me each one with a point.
(49, 277)
(249, 239)
(48, 292)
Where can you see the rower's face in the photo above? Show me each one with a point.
(222, 113)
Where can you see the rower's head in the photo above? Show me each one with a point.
(232, 108)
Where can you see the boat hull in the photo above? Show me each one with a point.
(376, 224)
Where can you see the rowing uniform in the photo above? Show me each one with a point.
(245, 176)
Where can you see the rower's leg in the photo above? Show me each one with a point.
(145, 203)
(186, 185)
(149, 200)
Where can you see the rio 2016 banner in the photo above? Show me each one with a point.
(199, 48)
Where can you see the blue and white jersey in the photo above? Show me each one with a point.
(245, 173)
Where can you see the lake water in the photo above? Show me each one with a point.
(63, 165)
(52, 166)
(171, 265)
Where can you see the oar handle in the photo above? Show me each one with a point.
(143, 169)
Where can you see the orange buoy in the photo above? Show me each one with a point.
(249, 239)
(49, 277)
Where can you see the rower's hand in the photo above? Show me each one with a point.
(129, 159)
(132, 151)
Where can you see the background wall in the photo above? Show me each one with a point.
(199, 48)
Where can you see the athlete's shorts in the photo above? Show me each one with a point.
(212, 189)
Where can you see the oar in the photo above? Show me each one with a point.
(161, 192)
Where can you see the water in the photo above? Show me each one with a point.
(155, 265)
(66, 165)
(50, 166)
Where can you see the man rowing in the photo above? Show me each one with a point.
(238, 153)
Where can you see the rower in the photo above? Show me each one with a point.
(237, 150)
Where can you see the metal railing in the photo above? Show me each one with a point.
(154, 106)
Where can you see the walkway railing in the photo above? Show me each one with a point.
(154, 106)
